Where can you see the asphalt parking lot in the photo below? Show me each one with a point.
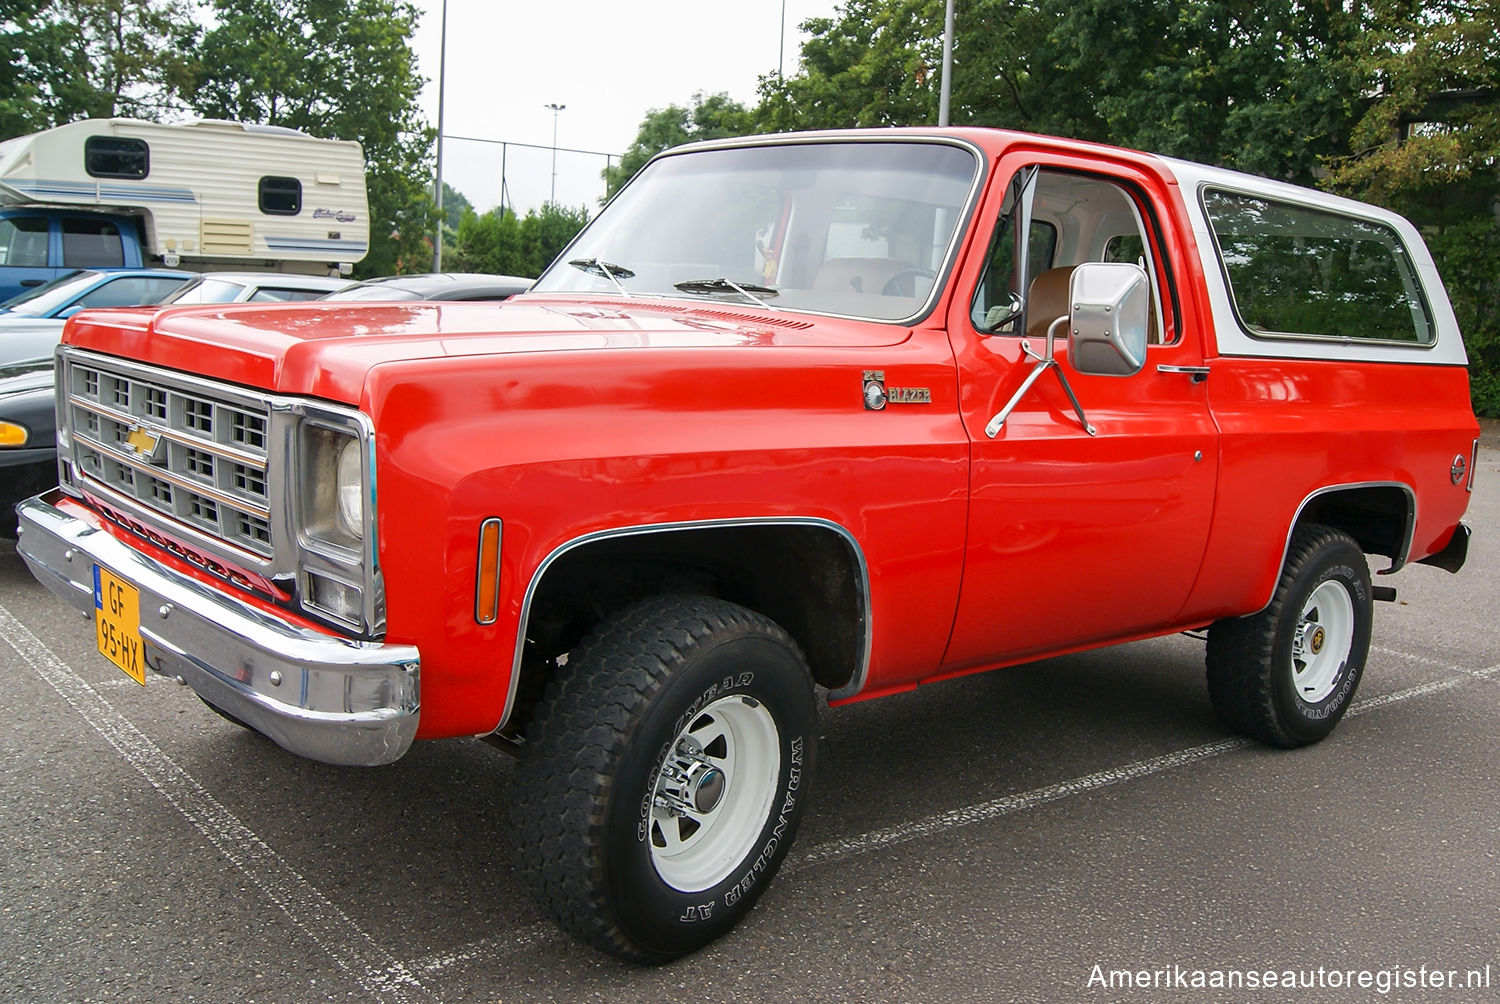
(1028, 835)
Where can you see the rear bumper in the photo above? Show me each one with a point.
(315, 694)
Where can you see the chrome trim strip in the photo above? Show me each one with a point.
(177, 480)
(233, 393)
(186, 533)
(168, 433)
(314, 693)
(1473, 463)
(1398, 561)
(862, 665)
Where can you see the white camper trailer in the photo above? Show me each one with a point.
(207, 195)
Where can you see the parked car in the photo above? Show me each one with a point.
(42, 243)
(28, 435)
(31, 323)
(88, 287)
(255, 287)
(435, 286)
(859, 411)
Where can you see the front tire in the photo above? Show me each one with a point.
(1286, 675)
(665, 775)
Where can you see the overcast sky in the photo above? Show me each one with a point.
(608, 61)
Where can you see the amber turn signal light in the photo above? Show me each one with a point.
(487, 581)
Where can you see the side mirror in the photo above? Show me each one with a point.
(1107, 325)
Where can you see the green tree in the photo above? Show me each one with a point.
(339, 69)
(500, 242)
(1266, 86)
(1428, 146)
(71, 59)
(874, 63)
(455, 204)
(711, 116)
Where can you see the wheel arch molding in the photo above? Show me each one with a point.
(807, 574)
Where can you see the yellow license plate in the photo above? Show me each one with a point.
(117, 623)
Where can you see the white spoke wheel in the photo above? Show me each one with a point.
(1287, 674)
(1321, 641)
(714, 790)
(664, 775)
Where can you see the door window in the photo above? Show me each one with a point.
(1075, 218)
(23, 241)
(91, 244)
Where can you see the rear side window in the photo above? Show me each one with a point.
(1297, 272)
(23, 241)
(280, 196)
(116, 157)
(91, 244)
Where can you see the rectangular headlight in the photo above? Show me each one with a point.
(333, 486)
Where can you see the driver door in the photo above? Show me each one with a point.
(1074, 538)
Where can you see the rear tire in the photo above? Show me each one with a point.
(665, 775)
(1286, 675)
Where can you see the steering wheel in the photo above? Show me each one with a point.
(892, 289)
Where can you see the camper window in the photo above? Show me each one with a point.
(280, 196)
(116, 157)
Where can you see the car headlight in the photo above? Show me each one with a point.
(333, 487)
(350, 484)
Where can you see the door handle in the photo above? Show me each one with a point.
(32, 282)
(1198, 373)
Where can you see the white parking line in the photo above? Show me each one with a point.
(1008, 804)
(385, 978)
(1426, 660)
(1005, 805)
(377, 972)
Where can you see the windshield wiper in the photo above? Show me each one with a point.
(748, 290)
(609, 270)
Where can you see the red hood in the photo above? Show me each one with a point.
(326, 350)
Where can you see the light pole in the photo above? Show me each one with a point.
(437, 188)
(556, 108)
(781, 48)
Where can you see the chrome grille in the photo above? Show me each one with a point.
(185, 449)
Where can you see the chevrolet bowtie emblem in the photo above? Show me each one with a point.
(145, 443)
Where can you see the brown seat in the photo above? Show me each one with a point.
(1047, 300)
(858, 275)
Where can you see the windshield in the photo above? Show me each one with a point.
(58, 293)
(858, 229)
(207, 291)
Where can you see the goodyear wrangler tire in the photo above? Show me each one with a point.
(1286, 675)
(665, 775)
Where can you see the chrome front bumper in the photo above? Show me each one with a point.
(315, 694)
